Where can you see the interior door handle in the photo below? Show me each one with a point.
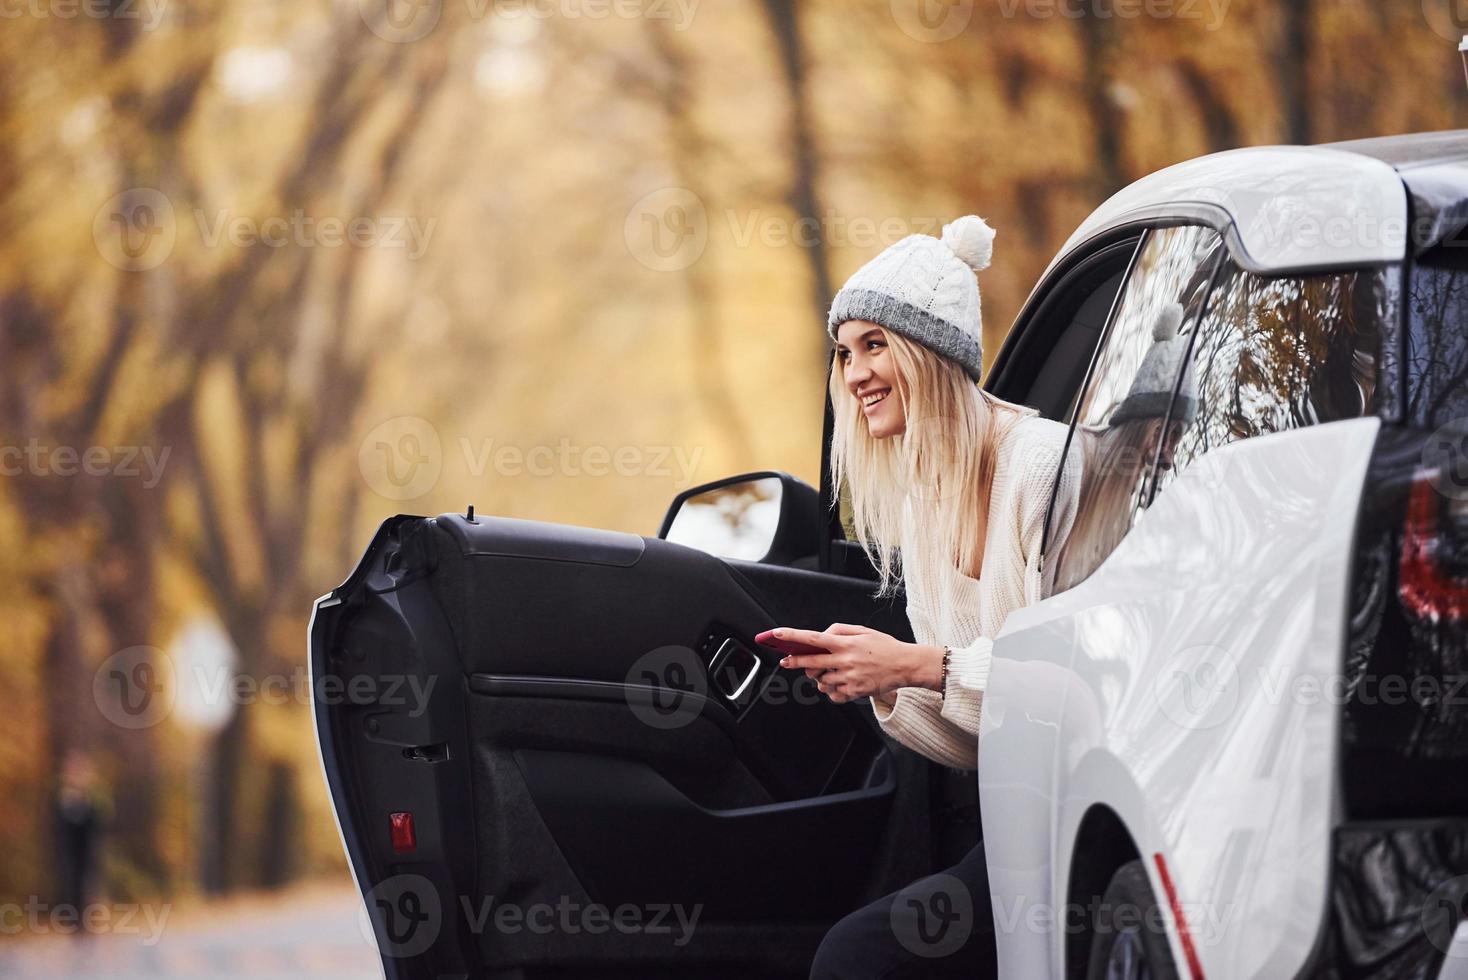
(733, 669)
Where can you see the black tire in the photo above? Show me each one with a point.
(1130, 938)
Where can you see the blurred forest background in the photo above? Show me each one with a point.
(580, 225)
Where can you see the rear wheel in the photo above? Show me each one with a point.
(1130, 941)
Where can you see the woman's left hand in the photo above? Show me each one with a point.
(860, 661)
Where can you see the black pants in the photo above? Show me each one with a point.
(939, 926)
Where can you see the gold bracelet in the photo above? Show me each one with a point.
(943, 677)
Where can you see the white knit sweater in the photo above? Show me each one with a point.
(948, 607)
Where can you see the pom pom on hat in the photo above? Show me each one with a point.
(971, 239)
(1168, 322)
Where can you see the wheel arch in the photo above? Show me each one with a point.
(1102, 845)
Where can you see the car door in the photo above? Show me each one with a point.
(1135, 714)
(1038, 704)
(557, 751)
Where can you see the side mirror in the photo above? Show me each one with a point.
(768, 517)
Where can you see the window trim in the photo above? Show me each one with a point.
(829, 503)
(1000, 377)
(849, 560)
(1182, 368)
(1101, 342)
(1386, 401)
(1070, 426)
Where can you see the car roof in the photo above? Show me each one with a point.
(1411, 149)
(1306, 208)
(1434, 168)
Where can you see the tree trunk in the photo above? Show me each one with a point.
(1292, 62)
(219, 824)
(784, 21)
(1218, 121)
(1106, 122)
(219, 869)
(686, 152)
(127, 578)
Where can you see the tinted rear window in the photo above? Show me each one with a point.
(1285, 352)
(1437, 337)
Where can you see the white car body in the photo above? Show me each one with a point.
(1292, 208)
(1213, 738)
(1233, 789)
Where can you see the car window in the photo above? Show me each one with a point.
(1276, 353)
(1086, 327)
(1048, 364)
(1123, 410)
(1437, 337)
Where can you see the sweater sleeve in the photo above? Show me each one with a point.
(920, 719)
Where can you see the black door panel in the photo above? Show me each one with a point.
(797, 597)
(506, 618)
(569, 746)
(764, 857)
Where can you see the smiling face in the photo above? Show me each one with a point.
(870, 374)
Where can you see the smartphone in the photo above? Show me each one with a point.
(769, 639)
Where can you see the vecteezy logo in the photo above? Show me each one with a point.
(667, 230)
(135, 230)
(400, 21)
(403, 919)
(932, 21)
(934, 916)
(1445, 458)
(666, 688)
(402, 458)
(1449, 18)
(1199, 689)
(402, 915)
(1445, 909)
(134, 688)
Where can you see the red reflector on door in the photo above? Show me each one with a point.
(1184, 934)
(404, 837)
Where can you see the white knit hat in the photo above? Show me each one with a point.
(924, 288)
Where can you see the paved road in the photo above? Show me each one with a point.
(304, 934)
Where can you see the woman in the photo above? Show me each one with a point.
(949, 488)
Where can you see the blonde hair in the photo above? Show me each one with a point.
(944, 460)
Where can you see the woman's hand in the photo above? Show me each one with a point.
(860, 661)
